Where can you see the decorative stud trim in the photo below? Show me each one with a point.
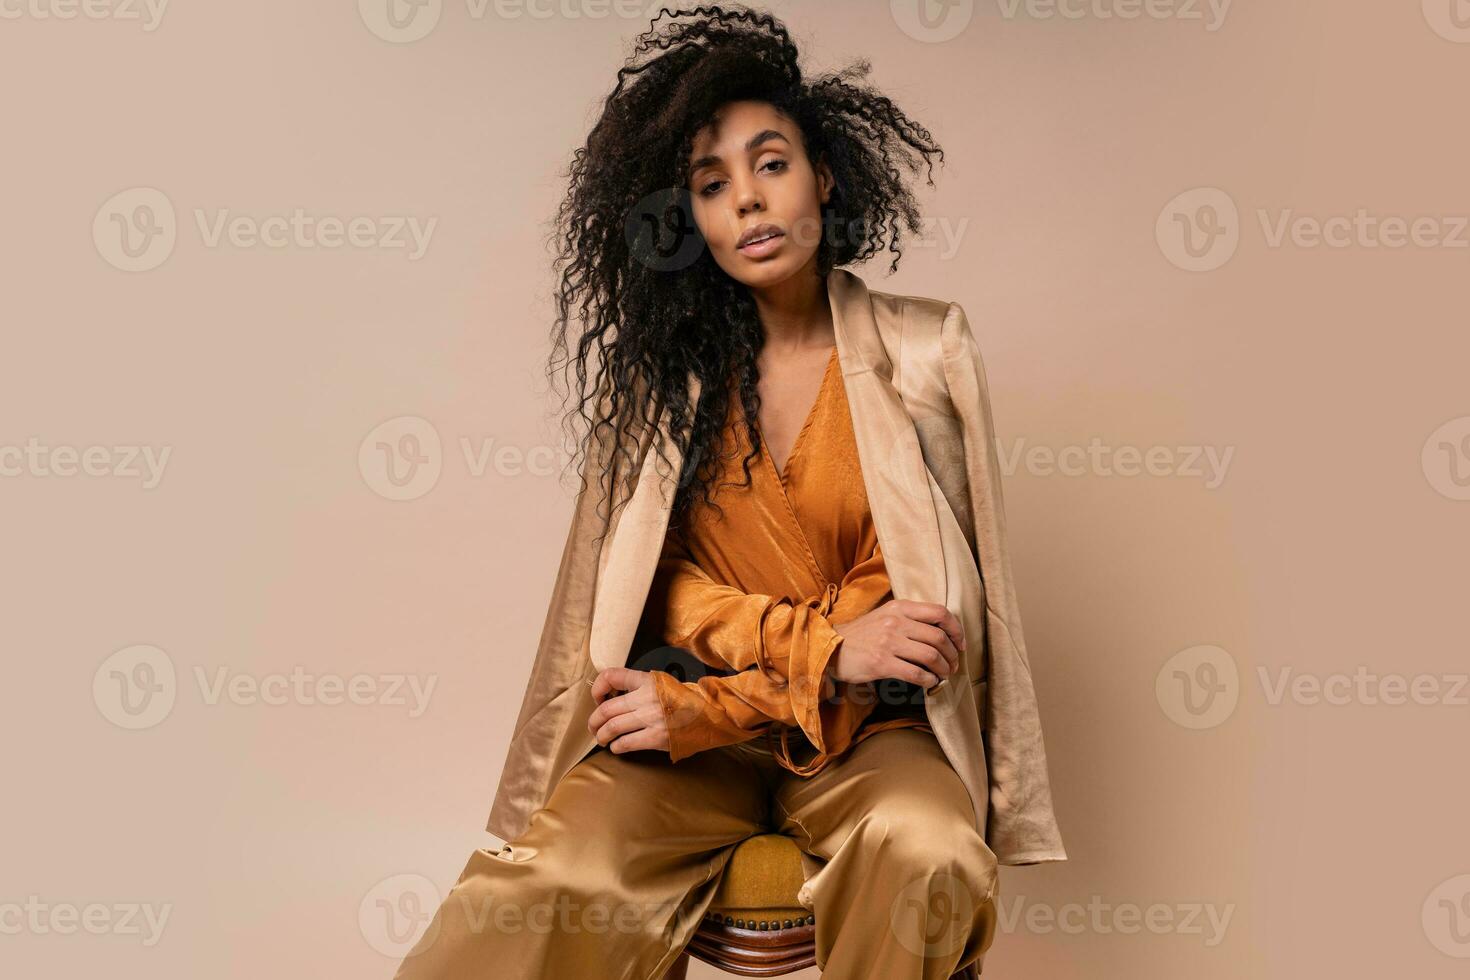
(767, 924)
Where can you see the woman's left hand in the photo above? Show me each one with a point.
(631, 721)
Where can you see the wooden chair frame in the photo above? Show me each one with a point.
(758, 948)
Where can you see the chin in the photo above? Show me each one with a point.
(762, 275)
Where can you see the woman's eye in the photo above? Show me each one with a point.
(774, 166)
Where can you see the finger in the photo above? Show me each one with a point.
(601, 686)
(611, 679)
(938, 640)
(619, 725)
(907, 665)
(937, 614)
(641, 739)
(926, 657)
(622, 704)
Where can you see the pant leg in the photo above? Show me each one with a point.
(610, 879)
(908, 890)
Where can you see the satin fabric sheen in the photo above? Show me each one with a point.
(916, 388)
(756, 583)
(614, 875)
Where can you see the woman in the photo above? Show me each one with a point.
(761, 405)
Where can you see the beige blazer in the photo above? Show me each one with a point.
(920, 408)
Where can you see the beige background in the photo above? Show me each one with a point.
(1331, 834)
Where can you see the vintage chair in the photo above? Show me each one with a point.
(755, 927)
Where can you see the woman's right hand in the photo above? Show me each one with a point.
(903, 639)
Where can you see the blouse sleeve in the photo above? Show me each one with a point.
(779, 648)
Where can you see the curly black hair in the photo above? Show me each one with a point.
(651, 301)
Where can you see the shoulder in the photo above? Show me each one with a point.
(916, 312)
(927, 323)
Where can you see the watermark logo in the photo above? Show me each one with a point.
(1362, 229)
(1363, 687)
(563, 915)
(1199, 229)
(661, 232)
(902, 468)
(396, 914)
(1198, 687)
(1211, 12)
(36, 459)
(1207, 464)
(400, 21)
(1446, 459)
(38, 917)
(148, 13)
(567, 9)
(1450, 19)
(404, 458)
(135, 230)
(1446, 917)
(401, 459)
(300, 687)
(510, 460)
(932, 915)
(932, 21)
(298, 229)
(1207, 920)
(136, 687)
(685, 668)
(406, 21)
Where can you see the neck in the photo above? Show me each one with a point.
(795, 313)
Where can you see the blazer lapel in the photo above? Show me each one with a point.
(901, 491)
(894, 472)
(631, 554)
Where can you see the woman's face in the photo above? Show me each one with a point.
(757, 199)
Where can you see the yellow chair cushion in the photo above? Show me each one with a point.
(761, 881)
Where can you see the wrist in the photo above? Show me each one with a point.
(832, 672)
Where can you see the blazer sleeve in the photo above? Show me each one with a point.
(780, 650)
(1021, 828)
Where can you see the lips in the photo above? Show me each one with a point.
(757, 234)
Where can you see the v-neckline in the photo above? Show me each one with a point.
(783, 471)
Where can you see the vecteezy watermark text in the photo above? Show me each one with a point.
(403, 458)
(34, 459)
(137, 229)
(1209, 464)
(1199, 687)
(1099, 917)
(396, 915)
(148, 12)
(1200, 229)
(137, 687)
(37, 917)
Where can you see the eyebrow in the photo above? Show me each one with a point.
(764, 136)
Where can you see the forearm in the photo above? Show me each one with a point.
(793, 687)
(782, 651)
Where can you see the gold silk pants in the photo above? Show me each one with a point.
(614, 875)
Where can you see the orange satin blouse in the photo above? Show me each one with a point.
(757, 590)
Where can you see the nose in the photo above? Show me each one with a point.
(748, 198)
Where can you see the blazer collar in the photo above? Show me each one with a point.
(898, 483)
